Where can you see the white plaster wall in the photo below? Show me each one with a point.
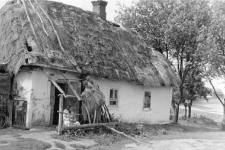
(34, 87)
(131, 97)
(41, 93)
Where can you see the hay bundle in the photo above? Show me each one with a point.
(93, 102)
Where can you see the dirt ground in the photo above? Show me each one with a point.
(198, 133)
(194, 134)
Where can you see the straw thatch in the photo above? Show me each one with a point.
(52, 34)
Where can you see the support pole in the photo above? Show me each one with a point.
(10, 110)
(60, 114)
(94, 117)
(89, 118)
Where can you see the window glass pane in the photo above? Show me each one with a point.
(112, 102)
(116, 95)
(147, 100)
(111, 93)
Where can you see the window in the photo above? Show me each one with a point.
(113, 97)
(147, 100)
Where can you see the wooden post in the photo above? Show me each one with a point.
(10, 107)
(60, 114)
(89, 118)
(94, 117)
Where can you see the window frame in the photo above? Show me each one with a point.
(144, 100)
(114, 97)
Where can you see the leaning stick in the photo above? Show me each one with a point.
(107, 110)
(94, 117)
(114, 130)
(89, 119)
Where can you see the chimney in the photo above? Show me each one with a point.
(99, 7)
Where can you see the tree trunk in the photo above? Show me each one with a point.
(177, 104)
(185, 111)
(176, 114)
(223, 121)
(189, 109)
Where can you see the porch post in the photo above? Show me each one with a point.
(10, 107)
(60, 114)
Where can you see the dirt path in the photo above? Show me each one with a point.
(211, 109)
(37, 139)
(188, 135)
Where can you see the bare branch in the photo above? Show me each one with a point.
(216, 92)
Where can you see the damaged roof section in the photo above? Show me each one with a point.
(53, 34)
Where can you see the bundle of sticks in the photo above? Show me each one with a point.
(94, 108)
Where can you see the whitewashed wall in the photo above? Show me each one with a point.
(35, 87)
(131, 98)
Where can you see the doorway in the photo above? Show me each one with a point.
(56, 105)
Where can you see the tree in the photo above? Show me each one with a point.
(195, 87)
(149, 18)
(214, 47)
(173, 27)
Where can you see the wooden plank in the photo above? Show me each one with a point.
(68, 113)
(68, 96)
(74, 90)
(64, 128)
(56, 85)
(60, 115)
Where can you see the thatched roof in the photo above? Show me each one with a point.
(52, 34)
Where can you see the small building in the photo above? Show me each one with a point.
(49, 48)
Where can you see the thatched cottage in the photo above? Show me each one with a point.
(48, 48)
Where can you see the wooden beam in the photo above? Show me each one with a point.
(10, 107)
(114, 130)
(58, 87)
(68, 113)
(64, 128)
(55, 84)
(67, 96)
(60, 115)
(74, 90)
(89, 118)
(71, 87)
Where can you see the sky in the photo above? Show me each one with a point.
(86, 5)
